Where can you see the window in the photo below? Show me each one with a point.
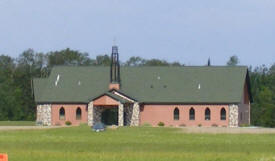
(78, 113)
(207, 114)
(223, 114)
(176, 114)
(192, 114)
(62, 113)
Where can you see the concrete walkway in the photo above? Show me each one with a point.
(227, 130)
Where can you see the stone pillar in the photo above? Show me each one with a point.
(120, 114)
(233, 115)
(128, 110)
(91, 114)
(97, 113)
(135, 115)
(39, 114)
(44, 115)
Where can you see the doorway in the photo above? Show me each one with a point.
(110, 116)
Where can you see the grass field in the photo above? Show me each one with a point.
(134, 143)
(17, 123)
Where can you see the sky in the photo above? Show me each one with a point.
(188, 31)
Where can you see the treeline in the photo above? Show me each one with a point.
(16, 97)
(263, 92)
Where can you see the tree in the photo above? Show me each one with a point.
(233, 61)
(7, 66)
(103, 60)
(10, 103)
(272, 69)
(263, 91)
(176, 64)
(135, 61)
(68, 57)
(156, 62)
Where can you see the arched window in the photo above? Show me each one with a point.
(62, 114)
(192, 114)
(207, 114)
(78, 113)
(223, 114)
(176, 114)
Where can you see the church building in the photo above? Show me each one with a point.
(133, 96)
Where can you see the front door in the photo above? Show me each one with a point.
(110, 116)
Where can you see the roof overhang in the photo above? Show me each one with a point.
(123, 95)
(110, 98)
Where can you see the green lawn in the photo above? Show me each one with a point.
(17, 123)
(136, 143)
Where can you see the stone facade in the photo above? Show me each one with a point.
(90, 114)
(135, 114)
(94, 114)
(44, 114)
(120, 114)
(233, 115)
(97, 113)
(129, 111)
(128, 114)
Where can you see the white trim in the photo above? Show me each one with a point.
(120, 95)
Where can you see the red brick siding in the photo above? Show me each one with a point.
(153, 114)
(70, 114)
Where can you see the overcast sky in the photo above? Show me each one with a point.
(188, 31)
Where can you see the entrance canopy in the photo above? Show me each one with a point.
(106, 109)
(113, 108)
(111, 99)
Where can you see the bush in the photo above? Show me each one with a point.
(161, 124)
(68, 123)
(199, 125)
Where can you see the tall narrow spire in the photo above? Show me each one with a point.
(209, 62)
(115, 67)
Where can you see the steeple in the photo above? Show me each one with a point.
(115, 67)
(208, 62)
